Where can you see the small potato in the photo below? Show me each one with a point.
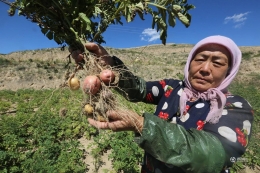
(91, 84)
(100, 118)
(89, 109)
(107, 76)
(74, 83)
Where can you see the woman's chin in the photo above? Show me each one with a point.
(200, 87)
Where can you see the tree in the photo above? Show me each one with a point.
(74, 22)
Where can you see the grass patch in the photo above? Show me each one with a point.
(247, 55)
(4, 61)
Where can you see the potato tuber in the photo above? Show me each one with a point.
(89, 109)
(91, 84)
(74, 83)
(107, 76)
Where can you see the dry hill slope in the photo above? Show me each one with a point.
(46, 68)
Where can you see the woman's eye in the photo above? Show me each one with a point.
(199, 59)
(218, 63)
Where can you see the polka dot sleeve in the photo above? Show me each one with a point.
(234, 128)
(155, 90)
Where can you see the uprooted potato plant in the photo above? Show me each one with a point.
(98, 84)
(70, 22)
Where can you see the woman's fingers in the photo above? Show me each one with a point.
(114, 125)
(114, 115)
(75, 54)
(117, 122)
(96, 49)
(120, 120)
(92, 47)
(105, 59)
(98, 124)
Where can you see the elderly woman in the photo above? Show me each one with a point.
(198, 125)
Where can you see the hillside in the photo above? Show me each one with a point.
(42, 69)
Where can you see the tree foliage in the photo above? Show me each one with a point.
(74, 21)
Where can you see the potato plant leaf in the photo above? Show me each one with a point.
(176, 8)
(171, 19)
(50, 35)
(184, 19)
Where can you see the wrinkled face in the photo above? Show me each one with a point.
(209, 67)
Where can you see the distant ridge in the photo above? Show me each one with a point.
(152, 45)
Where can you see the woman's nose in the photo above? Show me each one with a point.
(205, 68)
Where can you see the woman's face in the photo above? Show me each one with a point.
(209, 67)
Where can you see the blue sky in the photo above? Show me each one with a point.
(237, 19)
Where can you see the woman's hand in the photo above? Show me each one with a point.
(120, 120)
(96, 49)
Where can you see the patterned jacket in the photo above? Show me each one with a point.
(186, 143)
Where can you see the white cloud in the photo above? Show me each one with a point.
(238, 19)
(239, 25)
(150, 35)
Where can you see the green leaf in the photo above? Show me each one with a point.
(118, 20)
(128, 15)
(140, 6)
(176, 8)
(97, 11)
(162, 24)
(141, 14)
(163, 15)
(44, 30)
(171, 19)
(85, 19)
(57, 39)
(189, 7)
(184, 19)
(155, 18)
(50, 35)
(163, 36)
(163, 2)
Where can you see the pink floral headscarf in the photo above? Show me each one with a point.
(216, 96)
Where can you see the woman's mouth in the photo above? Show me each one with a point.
(203, 80)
